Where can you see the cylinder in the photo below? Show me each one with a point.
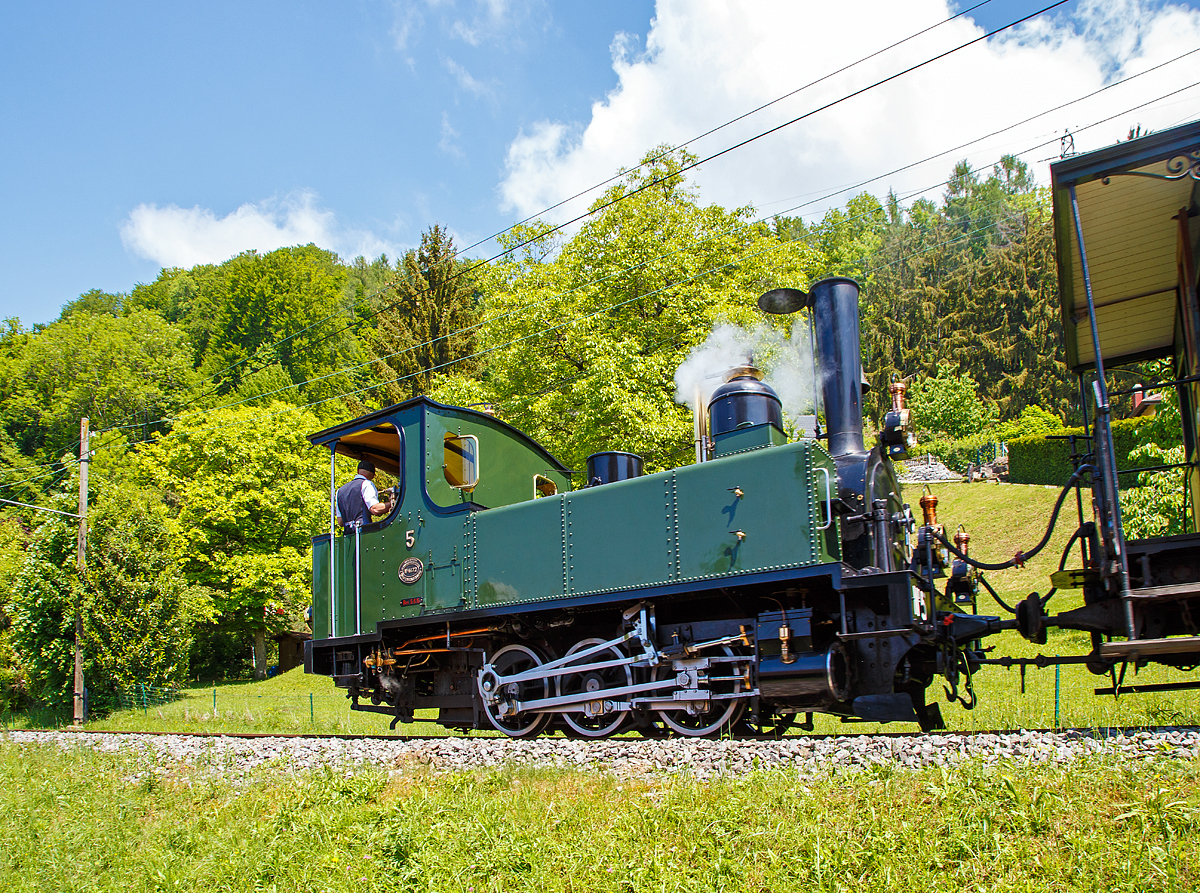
(743, 401)
(835, 313)
(605, 468)
(817, 679)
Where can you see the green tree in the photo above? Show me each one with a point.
(12, 554)
(41, 608)
(115, 370)
(947, 405)
(974, 283)
(293, 310)
(426, 321)
(584, 336)
(1157, 506)
(247, 492)
(286, 308)
(137, 609)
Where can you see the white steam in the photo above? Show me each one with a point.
(787, 364)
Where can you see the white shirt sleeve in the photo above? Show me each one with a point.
(369, 494)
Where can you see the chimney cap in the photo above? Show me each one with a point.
(783, 300)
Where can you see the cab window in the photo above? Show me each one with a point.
(543, 486)
(460, 463)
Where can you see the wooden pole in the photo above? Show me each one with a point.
(81, 566)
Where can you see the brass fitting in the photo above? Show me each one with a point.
(962, 540)
(928, 503)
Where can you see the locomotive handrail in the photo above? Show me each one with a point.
(828, 499)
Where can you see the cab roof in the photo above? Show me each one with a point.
(369, 435)
(1130, 196)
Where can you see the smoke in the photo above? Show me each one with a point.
(786, 362)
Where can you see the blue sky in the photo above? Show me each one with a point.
(142, 134)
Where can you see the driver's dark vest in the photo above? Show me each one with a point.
(350, 503)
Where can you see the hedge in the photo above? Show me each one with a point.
(1037, 460)
(958, 454)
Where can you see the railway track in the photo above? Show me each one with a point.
(237, 756)
(1104, 732)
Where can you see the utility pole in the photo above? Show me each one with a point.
(81, 566)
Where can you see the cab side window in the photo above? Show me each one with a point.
(460, 463)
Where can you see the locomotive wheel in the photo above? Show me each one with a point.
(604, 724)
(721, 715)
(517, 659)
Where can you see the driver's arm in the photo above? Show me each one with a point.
(383, 506)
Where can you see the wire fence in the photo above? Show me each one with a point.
(145, 696)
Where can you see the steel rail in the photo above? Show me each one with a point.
(493, 735)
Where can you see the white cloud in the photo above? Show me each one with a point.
(466, 81)
(449, 135)
(406, 18)
(708, 61)
(183, 237)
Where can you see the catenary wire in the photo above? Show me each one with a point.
(394, 280)
(691, 165)
(546, 331)
(822, 198)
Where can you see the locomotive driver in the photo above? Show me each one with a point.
(358, 501)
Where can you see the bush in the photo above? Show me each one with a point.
(1037, 460)
(947, 405)
(1157, 506)
(1032, 421)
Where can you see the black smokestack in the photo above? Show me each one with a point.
(835, 313)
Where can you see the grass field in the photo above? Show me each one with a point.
(84, 821)
(1001, 520)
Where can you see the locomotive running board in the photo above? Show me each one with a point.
(1133, 649)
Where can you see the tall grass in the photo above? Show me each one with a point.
(83, 821)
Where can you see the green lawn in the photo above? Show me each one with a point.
(1000, 518)
(86, 821)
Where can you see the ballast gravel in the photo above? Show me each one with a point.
(700, 758)
(927, 469)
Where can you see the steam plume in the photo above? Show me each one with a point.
(786, 362)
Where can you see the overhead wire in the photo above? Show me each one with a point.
(690, 165)
(347, 370)
(906, 167)
(701, 161)
(822, 198)
(393, 281)
(477, 354)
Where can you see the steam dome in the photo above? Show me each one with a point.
(743, 401)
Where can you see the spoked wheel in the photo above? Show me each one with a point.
(599, 724)
(720, 715)
(508, 661)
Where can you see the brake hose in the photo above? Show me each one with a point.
(1021, 557)
(999, 600)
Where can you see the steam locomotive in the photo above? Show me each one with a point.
(769, 580)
